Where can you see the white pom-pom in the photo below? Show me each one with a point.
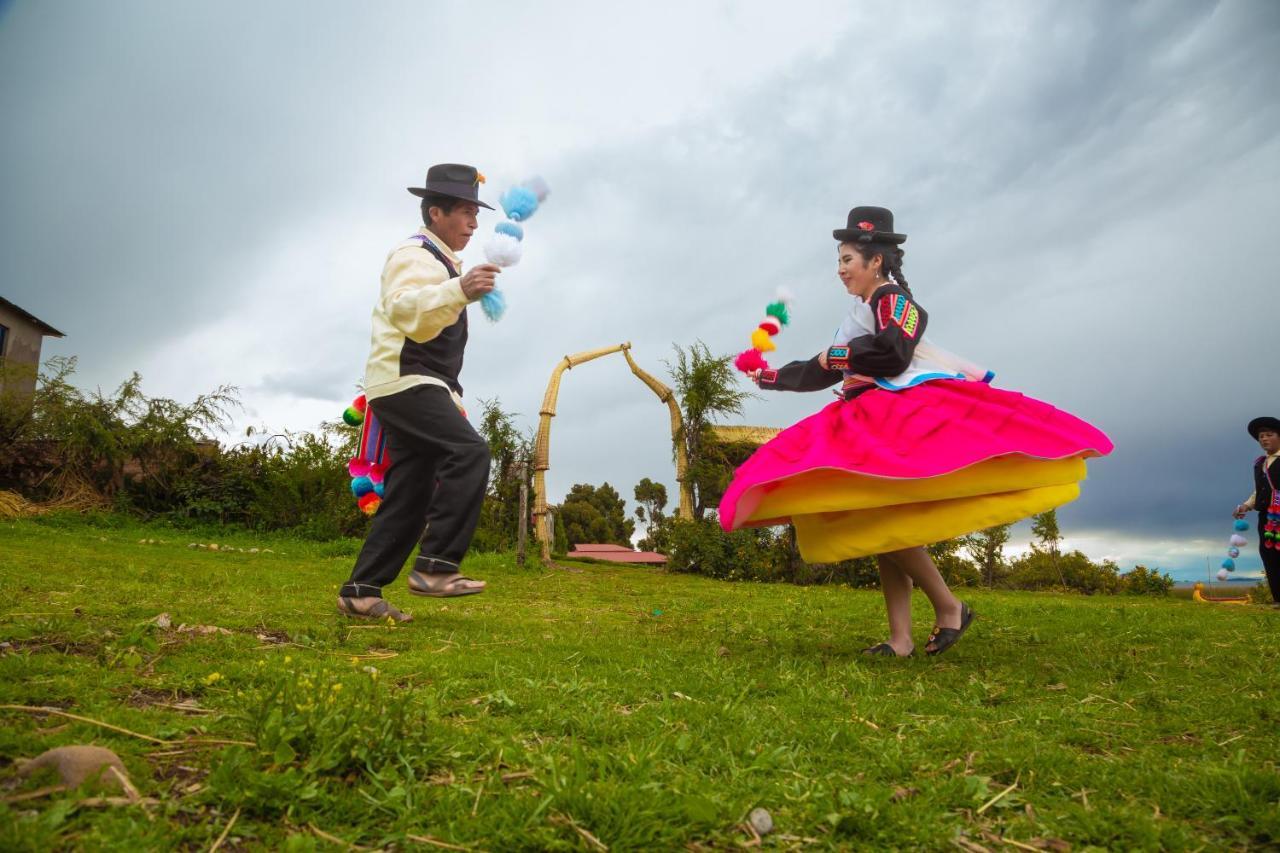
(1238, 540)
(786, 296)
(1222, 574)
(503, 250)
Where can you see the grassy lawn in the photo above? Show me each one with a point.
(614, 707)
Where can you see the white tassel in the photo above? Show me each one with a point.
(503, 250)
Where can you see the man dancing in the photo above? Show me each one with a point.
(439, 463)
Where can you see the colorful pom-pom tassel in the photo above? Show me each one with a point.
(511, 229)
(503, 250)
(379, 489)
(749, 361)
(539, 188)
(369, 503)
(360, 404)
(377, 473)
(1222, 574)
(358, 468)
(772, 325)
(1233, 552)
(760, 340)
(352, 416)
(1229, 565)
(361, 486)
(519, 203)
(494, 305)
(779, 310)
(1238, 540)
(1242, 525)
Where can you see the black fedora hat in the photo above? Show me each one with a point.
(453, 180)
(869, 225)
(1257, 425)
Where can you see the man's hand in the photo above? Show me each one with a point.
(755, 377)
(1241, 511)
(479, 280)
(822, 359)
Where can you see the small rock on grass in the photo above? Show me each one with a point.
(77, 764)
(761, 821)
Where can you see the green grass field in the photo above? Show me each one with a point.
(613, 707)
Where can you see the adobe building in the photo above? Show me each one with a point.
(21, 337)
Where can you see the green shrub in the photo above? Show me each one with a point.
(1143, 581)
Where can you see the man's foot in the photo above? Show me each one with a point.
(371, 607)
(441, 585)
(887, 650)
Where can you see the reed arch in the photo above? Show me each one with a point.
(542, 444)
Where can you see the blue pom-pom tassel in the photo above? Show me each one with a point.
(509, 228)
(1242, 525)
(519, 203)
(380, 489)
(361, 486)
(494, 305)
(1229, 564)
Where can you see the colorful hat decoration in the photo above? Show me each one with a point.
(505, 247)
(777, 315)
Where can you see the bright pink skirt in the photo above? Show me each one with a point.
(966, 438)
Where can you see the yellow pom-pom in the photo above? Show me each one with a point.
(761, 341)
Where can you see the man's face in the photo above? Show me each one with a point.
(455, 227)
(1269, 440)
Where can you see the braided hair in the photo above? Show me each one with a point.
(890, 260)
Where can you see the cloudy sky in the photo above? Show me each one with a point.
(205, 193)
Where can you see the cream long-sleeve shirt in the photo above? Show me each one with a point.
(1253, 496)
(418, 300)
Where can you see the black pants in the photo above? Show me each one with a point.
(433, 489)
(1270, 561)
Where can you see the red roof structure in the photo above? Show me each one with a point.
(618, 554)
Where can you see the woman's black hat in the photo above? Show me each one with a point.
(869, 225)
(1257, 425)
(453, 180)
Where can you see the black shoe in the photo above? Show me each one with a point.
(944, 638)
(884, 650)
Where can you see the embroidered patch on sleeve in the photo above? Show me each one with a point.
(901, 311)
(838, 358)
(768, 377)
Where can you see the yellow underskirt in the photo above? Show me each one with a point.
(831, 490)
(828, 537)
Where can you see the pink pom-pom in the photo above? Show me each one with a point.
(750, 360)
(360, 404)
(377, 473)
(358, 467)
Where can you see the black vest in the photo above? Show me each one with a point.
(440, 357)
(1261, 489)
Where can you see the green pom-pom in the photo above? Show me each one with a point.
(779, 310)
(352, 416)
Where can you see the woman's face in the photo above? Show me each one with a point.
(1269, 440)
(859, 276)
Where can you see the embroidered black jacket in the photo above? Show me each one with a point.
(899, 324)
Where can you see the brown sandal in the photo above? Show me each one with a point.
(380, 610)
(449, 586)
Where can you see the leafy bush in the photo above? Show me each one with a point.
(1143, 581)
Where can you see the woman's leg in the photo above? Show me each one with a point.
(896, 586)
(918, 566)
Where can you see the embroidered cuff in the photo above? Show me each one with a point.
(768, 377)
(838, 358)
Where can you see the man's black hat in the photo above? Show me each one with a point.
(869, 225)
(1257, 425)
(453, 180)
